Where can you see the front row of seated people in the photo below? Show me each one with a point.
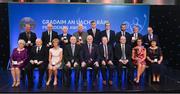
(80, 57)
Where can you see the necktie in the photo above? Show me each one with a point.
(73, 49)
(89, 49)
(106, 52)
(123, 34)
(38, 49)
(135, 35)
(50, 36)
(28, 35)
(94, 32)
(123, 51)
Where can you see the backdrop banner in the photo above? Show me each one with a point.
(70, 15)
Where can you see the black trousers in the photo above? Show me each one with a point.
(68, 71)
(130, 68)
(30, 68)
(84, 71)
(104, 71)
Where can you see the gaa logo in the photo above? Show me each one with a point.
(27, 20)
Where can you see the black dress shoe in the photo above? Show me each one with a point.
(39, 85)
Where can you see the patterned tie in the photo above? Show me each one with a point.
(106, 52)
(123, 52)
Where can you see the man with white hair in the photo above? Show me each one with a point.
(64, 37)
(80, 35)
(90, 58)
(38, 58)
(48, 36)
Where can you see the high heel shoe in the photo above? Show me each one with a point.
(17, 84)
(47, 83)
(55, 83)
(14, 83)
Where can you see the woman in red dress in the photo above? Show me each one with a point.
(138, 57)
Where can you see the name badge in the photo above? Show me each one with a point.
(50, 43)
(133, 38)
(156, 60)
(35, 61)
(29, 42)
(80, 38)
(15, 62)
(72, 60)
(65, 38)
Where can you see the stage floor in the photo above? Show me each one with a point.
(169, 83)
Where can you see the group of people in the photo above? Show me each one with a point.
(100, 50)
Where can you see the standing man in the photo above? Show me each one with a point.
(110, 34)
(95, 33)
(123, 32)
(64, 37)
(48, 36)
(80, 35)
(149, 37)
(135, 35)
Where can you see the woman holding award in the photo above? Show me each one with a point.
(138, 57)
(55, 61)
(155, 57)
(18, 61)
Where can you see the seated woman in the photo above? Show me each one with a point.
(155, 57)
(55, 61)
(18, 61)
(138, 57)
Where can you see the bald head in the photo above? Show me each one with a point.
(150, 30)
(38, 42)
(73, 40)
(49, 26)
(122, 39)
(80, 27)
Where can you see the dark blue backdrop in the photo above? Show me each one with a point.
(73, 14)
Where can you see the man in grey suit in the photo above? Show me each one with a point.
(80, 35)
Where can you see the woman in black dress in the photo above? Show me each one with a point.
(155, 57)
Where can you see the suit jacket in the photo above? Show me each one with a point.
(147, 41)
(24, 37)
(68, 54)
(84, 36)
(42, 55)
(62, 44)
(139, 36)
(101, 53)
(45, 37)
(97, 37)
(118, 51)
(86, 56)
(112, 36)
(127, 35)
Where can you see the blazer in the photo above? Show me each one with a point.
(101, 53)
(127, 35)
(24, 37)
(112, 36)
(62, 44)
(97, 37)
(68, 54)
(46, 39)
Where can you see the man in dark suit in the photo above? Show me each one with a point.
(135, 35)
(72, 54)
(90, 58)
(106, 59)
(39, 59)
(149, 37)
(123, 33)
(64, 37)
(110, 34)
(123, 57)
(29, 37)
(48, 36)
(95, 33)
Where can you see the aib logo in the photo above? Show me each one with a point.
(27, 20)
